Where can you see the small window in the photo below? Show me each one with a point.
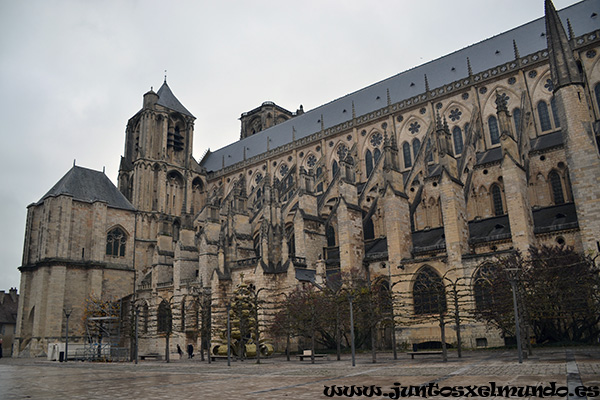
(556, 186)
(330, 236)
(494, 131)
(497, 200)
(544, 116)
(115, 243)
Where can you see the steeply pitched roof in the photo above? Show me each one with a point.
(484, 55)
(167, 99)
(88, 185)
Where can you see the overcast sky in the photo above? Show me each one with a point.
(74, 72)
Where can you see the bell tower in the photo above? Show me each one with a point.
(158, 154)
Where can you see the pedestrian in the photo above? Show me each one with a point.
(179, 351)
(190, 351)
(0, 347)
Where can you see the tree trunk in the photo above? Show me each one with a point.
(443, 335)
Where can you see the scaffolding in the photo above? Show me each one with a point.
(103, 338)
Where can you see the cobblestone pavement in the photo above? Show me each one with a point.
(275, 378)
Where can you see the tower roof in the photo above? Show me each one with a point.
(167, 99)
(87, 185)
(563, 68)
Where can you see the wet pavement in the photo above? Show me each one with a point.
(276, 378)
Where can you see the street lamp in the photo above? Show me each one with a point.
(67, 312)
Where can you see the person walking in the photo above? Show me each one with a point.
(180, 352)
(190, 350)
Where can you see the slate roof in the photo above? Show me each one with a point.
(88, 185)
(489, 229)
(167, 99)
(553, 139)
(432, 239)
(555, 218)
(8, 307)
(452, 67)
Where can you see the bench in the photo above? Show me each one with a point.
(424, 353)
(214, 358)
(308, 354)
(155, 356)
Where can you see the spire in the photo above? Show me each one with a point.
(438, 121)
(516, 49)
(570, 29)
(167, 99)
(563, 68)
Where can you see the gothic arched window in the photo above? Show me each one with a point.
(428, 150)
(416, 144)
(183, 315)
(497, 200)
(494, 131)
(115, 243)
(164, 320)
(555, 113)
(406, 154)
(320, 185)
(376, 155)
(458, 140)
(597, 93)
(542, 109)
(330, 236)
(557, 189)
(369, 163)
(368, 228)
(145, 318)
(482, 289)
(517, 120)
(429, 296)
(334, 168)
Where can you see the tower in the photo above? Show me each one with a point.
(158, 154)
(578, 134)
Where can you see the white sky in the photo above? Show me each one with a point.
(73, 72)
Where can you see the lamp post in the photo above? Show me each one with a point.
(228, 335)
(137, 317)
(352, 332)
(67, 315)
(257, 324)
(513, 284)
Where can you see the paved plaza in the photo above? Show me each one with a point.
(276, 378)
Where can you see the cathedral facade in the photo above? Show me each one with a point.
(432, 172)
